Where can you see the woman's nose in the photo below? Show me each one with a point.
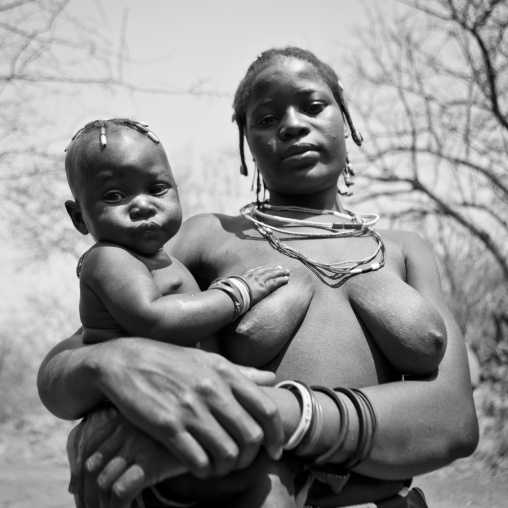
(142, 208)
(293, 125)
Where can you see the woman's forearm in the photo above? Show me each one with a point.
(423, 424)
(428, 423)
(68, 379)
(416, 433)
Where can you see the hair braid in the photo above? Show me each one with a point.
(101, 125)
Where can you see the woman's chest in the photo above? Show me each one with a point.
(306, 330)
(328, 257)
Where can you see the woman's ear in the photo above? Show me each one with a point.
(76, 216)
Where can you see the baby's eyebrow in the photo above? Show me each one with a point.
(106, 174)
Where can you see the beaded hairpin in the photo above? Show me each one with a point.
(136, 125)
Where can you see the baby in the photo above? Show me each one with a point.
(125, 196)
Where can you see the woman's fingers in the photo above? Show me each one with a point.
(108, 476)
(248, 410)
(190, 452)
(131, 461)
(143, 471)
(114, 468)
(246, 432)
(259, 377)
(146, 472)
(264, 410)
(105, 452)
(219, 444)
(128, 486)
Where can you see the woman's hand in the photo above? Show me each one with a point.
(199, 406)
(126, 462)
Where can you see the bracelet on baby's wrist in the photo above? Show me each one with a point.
(238, 290)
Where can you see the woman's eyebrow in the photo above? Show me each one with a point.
(306, 91)
(263, 102)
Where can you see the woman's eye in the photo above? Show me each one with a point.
(267, 121)
(159, 189)
(113, 197)
(314, 108)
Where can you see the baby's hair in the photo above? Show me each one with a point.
(101, 127)
(242, 95)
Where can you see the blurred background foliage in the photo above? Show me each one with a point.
(428, 87)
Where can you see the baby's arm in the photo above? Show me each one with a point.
(408, 329)
(126, 287)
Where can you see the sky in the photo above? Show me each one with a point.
(211, 43)
(176, 45)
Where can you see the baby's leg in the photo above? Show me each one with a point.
(407, 328)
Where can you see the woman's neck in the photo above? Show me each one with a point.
(324, 200)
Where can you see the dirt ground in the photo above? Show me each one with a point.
(33, 473)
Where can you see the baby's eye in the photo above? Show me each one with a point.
(113, 197)
(159, 189)
(314, 108)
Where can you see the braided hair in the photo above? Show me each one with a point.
(99, 128)
(242, 95)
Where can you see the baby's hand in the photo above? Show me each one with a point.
(264, 280)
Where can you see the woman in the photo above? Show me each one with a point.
(290, 109)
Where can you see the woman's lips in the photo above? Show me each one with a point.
(300, 153)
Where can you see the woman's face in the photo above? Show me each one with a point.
(295, 129)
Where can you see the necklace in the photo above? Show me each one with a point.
(332, 274)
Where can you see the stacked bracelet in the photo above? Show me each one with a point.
(238, 290)
(247, 287)
(244, 289)
(367, 423)
(311, 438)
(371, 421)
(307, 412)
(343, 428)
(305, 438)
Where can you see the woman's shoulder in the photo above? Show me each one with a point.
(200, 233)
(407, 240)
(209, 220)
(412, 247)
(211, 226)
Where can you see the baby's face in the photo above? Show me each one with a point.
(128, 194)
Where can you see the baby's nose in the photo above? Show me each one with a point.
(142, 208)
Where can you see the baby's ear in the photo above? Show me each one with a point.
(76, 216)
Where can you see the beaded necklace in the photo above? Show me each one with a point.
(332, 274)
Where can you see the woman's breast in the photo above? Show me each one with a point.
(307, 331)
